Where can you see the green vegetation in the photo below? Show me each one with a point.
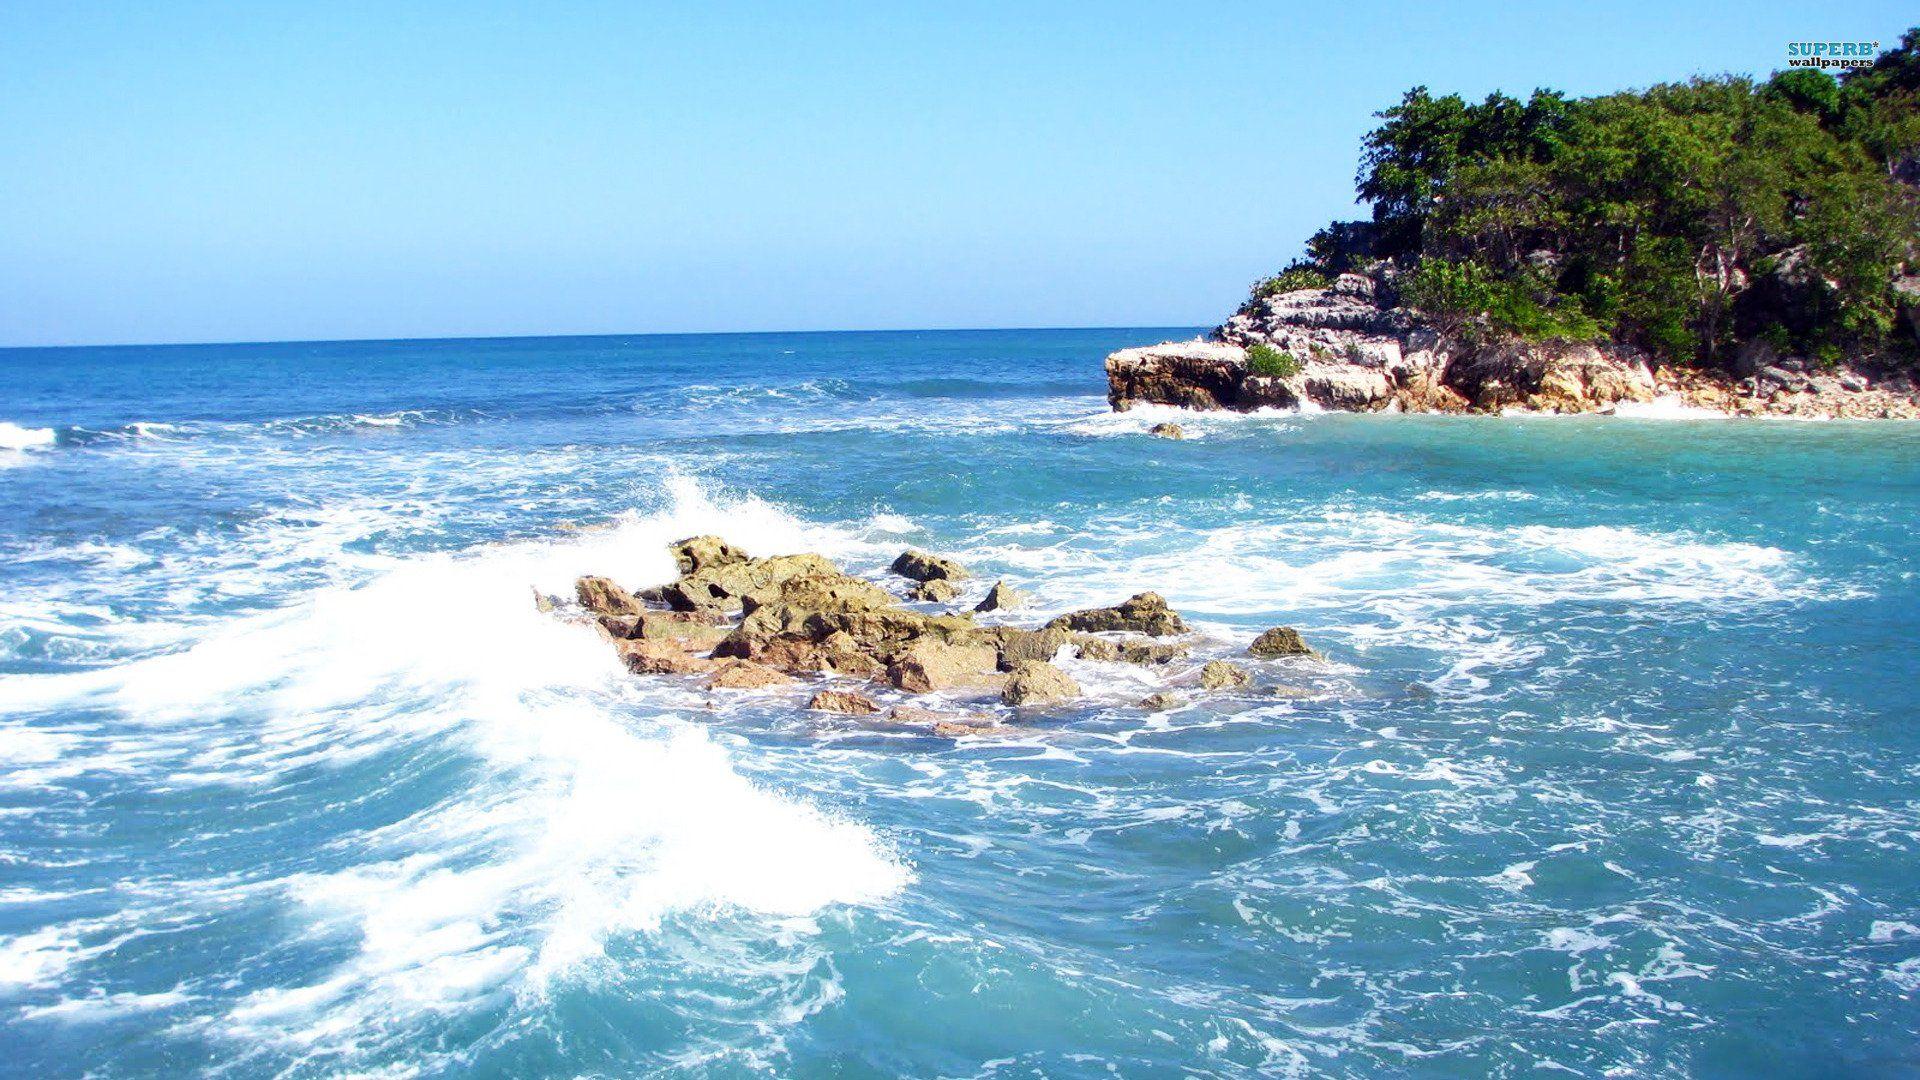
(1267, 360)
(1297, 276)
(1685, 219)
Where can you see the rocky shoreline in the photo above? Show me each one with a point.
(1345, 349)
(798, 624)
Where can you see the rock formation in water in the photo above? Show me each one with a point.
(797, 622)
(1348, 348)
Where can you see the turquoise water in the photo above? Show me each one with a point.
(1614, 767)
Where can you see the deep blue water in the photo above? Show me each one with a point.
(1613, 769)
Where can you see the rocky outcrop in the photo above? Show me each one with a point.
(1033, 682)
(791, 621)
(920, 566)
(1279, 641)
(1144, 613)
(933, 590)
(1001, 597)
(1344, 348)
(1224, 675)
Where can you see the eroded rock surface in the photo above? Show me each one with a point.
(1348, 349)
(749, 623)
(1143, 613)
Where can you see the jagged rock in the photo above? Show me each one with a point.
(1131, 652)
(698, 553)
(1548, 377)
(618, 627)
(1191, 374)
(843, 701)
(645, 657)
(1280, 641)
(921, 566)
(1162, 701)
(885, 632)
(542, 602)
(1001, 597)
(819, 592)
(929, 664)
(935, 590)
(1221, 675)
(746, 675)
(1144, 613)
(674, 626)
(725, 587)
(1168, 431)
(1033, 682)
(602, 597)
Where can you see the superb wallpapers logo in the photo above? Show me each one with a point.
(1832, 54)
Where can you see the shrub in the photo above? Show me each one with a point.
(1458, 297)
(1264, 359)
(1297, 276)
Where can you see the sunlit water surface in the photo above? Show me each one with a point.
(1614, 768)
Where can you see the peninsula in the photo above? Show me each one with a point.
(1748, 248)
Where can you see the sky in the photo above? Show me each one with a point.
(179, 172)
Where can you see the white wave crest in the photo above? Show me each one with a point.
(15, 437)
(591, 809)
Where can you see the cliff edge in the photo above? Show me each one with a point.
(1342, 348)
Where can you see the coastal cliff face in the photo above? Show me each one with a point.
(1356, 354)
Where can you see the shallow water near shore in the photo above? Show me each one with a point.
(1614, 768)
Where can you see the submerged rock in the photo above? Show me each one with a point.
(1145, 613)
(1280, 641)
(1162, 701)
(1222, 675)
(1034, 682)
(1168, 431)
(921, 566)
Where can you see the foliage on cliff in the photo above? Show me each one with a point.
(1685, 218)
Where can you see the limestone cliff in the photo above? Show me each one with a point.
(1353, 352)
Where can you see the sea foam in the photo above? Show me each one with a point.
(591, 807)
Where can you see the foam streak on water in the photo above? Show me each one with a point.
(1611, 769)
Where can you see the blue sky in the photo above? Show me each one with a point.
(261, 171)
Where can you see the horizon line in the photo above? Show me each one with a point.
(549, 337)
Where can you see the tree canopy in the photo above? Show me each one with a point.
(1684, 218)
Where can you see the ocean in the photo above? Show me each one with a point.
(1612, 767)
